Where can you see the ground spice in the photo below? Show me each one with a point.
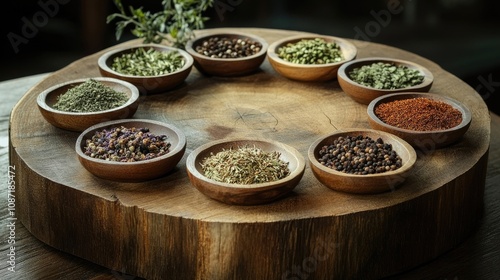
(90, 96)
(148, 62)
(311, 51)
(223, 47)
(419, 114)
(381, 75)
(245, 165)
(359, 155)
(123, 144)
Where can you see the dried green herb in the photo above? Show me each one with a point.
(175, 23)
(90, 96)
(148, 62)
(381, 75)
(311, 51)
(245, 165)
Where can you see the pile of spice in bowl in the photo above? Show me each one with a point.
(90, 96)
(310, 57)
(245, 165)
(359, 155)
(227, 54)
(368, 78)
(386, 75)
(245, 171)
(226, 47)
(130, 150)
(311, 51)
(124, 144)
(148, 62)
(152, 68)
(424, 120)
(361, 161)
(79, 104)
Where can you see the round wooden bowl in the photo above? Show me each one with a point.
(364, 94)
(139, 170)
(240, 194)
(227, 66)
(423, 140)
(147, 84)
(309, 72)
(363, 184)
(80, 121)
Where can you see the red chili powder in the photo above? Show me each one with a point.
(420, 114)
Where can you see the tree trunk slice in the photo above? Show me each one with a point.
(166, 228)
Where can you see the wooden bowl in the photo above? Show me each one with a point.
(139, 170)
(227, 66)
(363, 184)
(240, 194)
(364, 94)
(423, 140)
(81, 121)
(147, 84)
(309, 72)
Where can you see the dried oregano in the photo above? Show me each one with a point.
(148, 62)
(311, 51)
(90, 96)
(381, 75)
(245, 165)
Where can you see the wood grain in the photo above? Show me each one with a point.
(114, 224)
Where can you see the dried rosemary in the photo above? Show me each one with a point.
(245, 165)
(90, 96)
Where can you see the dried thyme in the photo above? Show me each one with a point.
(148, 62)
(382, 75)
(245, 165)
(311, 51)
(90, 96)
(123, 144)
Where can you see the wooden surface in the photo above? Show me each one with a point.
(476, 256)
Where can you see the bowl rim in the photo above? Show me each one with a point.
(194, 41)
(42, 97)
(466, 114)
(428, 76)
(404, 168)
(191, 164)
(102, 60)
(271, 52)
(174, 150)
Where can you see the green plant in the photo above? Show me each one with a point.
(175, 23)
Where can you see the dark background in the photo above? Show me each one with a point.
(462, 36)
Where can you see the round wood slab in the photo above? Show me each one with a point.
(166, 228)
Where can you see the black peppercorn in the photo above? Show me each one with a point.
(359, 155)
(216, 47)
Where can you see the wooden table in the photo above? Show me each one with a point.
(475, 258)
